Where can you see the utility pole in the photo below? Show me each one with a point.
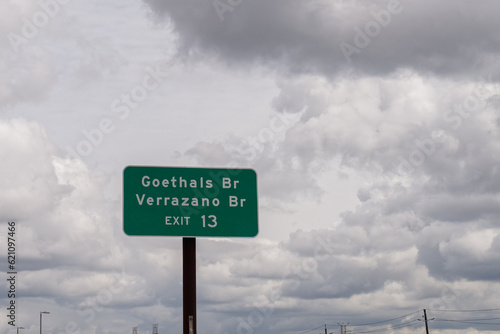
(43, 312)
(425, 319)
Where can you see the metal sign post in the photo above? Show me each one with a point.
(189, 285)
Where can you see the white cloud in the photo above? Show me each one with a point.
(29, 183)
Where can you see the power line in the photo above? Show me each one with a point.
(470, 322)
(382, 321)
(387, 329)
(310, 330)
(485, 310)
(474, 321)
(480, 319)
(384, 329)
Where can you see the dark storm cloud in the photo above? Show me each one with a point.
(444, 37)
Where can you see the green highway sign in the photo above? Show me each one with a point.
(189, 202)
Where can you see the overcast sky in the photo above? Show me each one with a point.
(373, 127)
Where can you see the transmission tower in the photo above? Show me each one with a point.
(343, 328)
(134, 330)
(155, 329)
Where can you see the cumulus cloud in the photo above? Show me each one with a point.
(57, 201)
(427, 217)
(430, 146)
(70, 244)
(457, 39)
(29, 180)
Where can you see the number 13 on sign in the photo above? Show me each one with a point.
(212, 223)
